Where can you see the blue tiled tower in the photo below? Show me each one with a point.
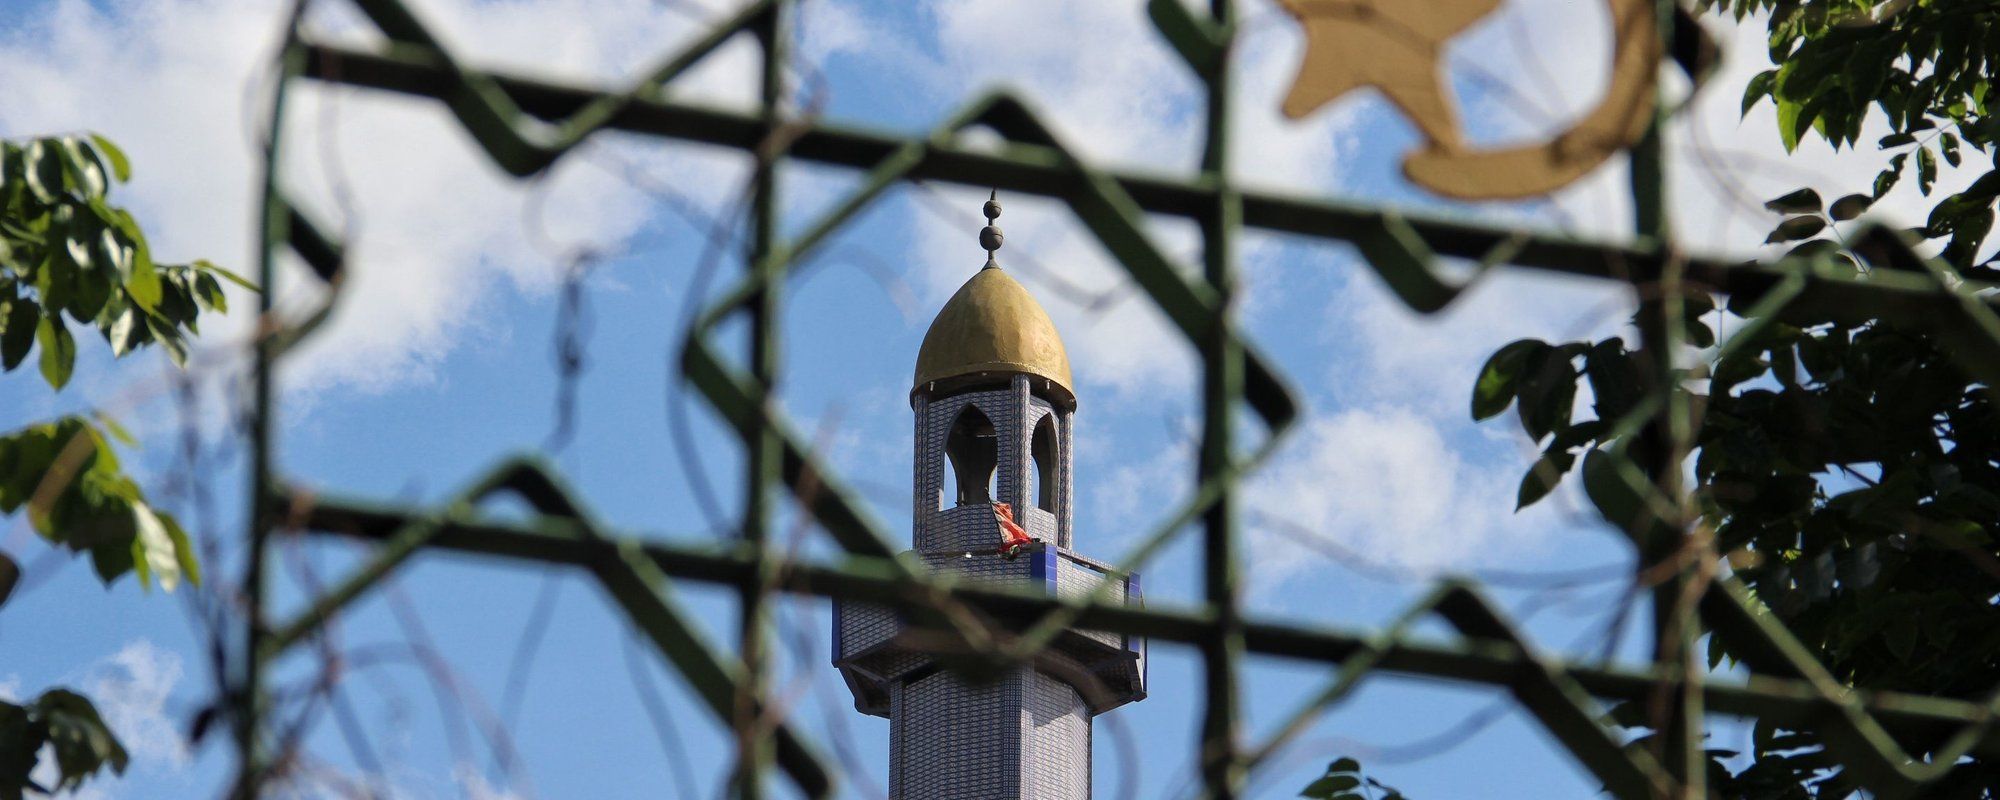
(994, 420)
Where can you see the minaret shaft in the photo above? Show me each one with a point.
(1026, 735)
(995, 421)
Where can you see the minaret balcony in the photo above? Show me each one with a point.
(873, 648)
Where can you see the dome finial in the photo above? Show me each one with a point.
(990, 236)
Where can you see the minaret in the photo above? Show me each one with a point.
(995, 417)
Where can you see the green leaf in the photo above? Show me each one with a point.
(1794, 119)
(19, 334)
(55, 280)
(154, 554)
(1616, 380)
(83, 744)
(1802, 201)
(1926, 170)
(120, 165)
(1796, 228)
(127, 331)
(1330, 786)
(115, 253)
(143, 286)
(115, 428)
(1616, 498)
(1958, 534)
(58, 351)
(42, 170)
(205, 265)
(1867, 68)
(1547, 395)
(169, 339)
(76, 247)
(1948, 144)
(10, 575)
(183, 548)
(82, 168)
(1758, 88)
(1851, 206)
(1886, 180)
(1738, 367)
(208, 291)
(1543, 476)
(1494, 390)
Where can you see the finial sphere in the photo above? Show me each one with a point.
(990, 237)
(993, 207)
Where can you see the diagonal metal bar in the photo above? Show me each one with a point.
(627, 574)
(1349, 678)
(1548, 690)
(522, 476)
(1876, 759)
(638, 586)
(518, 141)
(1785, 701)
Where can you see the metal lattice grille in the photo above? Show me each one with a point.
(524, 125)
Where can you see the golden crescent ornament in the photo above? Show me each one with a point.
(1397, 47)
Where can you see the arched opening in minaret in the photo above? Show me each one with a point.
(1043, 473)
(973, 448)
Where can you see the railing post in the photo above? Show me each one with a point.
(1669, 557)
(765, 457)
(1223, 774)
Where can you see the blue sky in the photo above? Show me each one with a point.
(441, 362)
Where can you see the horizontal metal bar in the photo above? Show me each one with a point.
(1017, 168)
(554, 540)
(1036, 170)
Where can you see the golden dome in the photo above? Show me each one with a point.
(992, 326)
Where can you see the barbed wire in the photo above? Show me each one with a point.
(664, 729)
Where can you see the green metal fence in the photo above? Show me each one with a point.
(525, 125)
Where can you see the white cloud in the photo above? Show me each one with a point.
(1385, 482)
(1428, 362)
(436, 229)
(131, 690)
(475, 787)
(1125, 99)
(1722, 164)
(1398, 471)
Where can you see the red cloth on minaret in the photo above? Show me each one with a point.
(1012, 536)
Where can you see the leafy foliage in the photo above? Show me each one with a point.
(65, 250)
(68, 723)
(66, 474)
(1924, 67)
(1344, 781)
(1540, 381)
(1853, 467)
(67, 256)
(1847, 468)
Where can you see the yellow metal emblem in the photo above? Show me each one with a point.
(1397, 46)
